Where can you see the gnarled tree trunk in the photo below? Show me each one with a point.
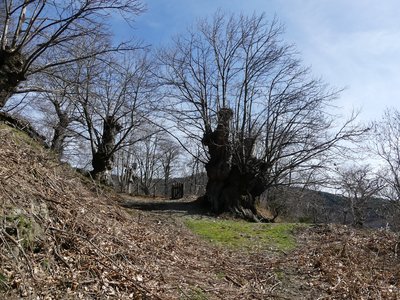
(218, 167)
(103, 157)
(11, 73)
(231, 187)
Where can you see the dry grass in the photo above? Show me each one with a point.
(64, 238)
(86, 246)
(344, 263)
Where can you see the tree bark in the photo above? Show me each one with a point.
(11, 73)
(60, 133)
(218, 167)
(103, 157)
(230, 188)
(166, 179)
(145, 189)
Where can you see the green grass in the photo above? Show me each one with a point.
(3, 282)
(194, 294)
(21, 138)
(28, 229)
(241, 234)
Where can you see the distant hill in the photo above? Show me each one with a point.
(323, 207)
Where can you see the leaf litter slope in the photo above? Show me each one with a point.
(63, 237)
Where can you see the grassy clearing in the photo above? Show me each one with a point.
(240, 234)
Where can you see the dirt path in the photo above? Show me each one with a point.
(329, 262)
(252, 274)
(178, 208)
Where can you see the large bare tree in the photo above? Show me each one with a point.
(35, 34)
(263, 120)
(58, 99)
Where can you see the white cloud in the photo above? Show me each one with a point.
(355, 44)
(350, 43)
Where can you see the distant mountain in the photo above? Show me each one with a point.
(323, 207)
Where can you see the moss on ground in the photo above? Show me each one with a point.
(3, 282)
(22, 138)
(24, 227)
(194, 294)
(241, 234)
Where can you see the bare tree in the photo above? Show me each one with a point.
(57, 102)
(360, 185)
(195, 172)
(113, 100)
(237, 88)
(56, 106)
(385, 144)
(147, 157)
(125, 169)
(33, 30)
(148, 163)
(169, 151)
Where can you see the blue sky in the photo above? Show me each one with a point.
(349, 43)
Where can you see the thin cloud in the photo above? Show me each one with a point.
(353, 44)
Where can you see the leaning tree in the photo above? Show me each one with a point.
(263, 121)
(31, 30)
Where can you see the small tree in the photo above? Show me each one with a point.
(169, 152)
(196, 172)
(147, 156)
(360, 186)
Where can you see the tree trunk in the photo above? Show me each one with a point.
(145, 189)
(60, 133)
(103, 157)
(11, 73)
(356, 210)
(167, 169)
(229, 187)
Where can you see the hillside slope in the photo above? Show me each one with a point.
(57, 237)
(61, 237)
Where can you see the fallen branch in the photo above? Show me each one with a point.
(15, 242)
